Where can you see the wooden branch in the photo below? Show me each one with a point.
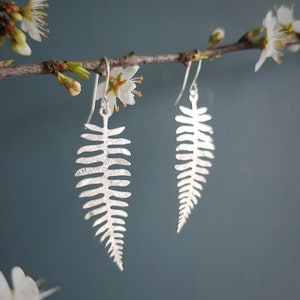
(98, 65)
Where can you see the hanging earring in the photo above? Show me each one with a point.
(104, 178)
(193, 152)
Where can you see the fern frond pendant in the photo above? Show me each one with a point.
(193, 152)
(104, 182)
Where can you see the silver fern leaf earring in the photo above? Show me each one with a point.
(193, 153)
(104, 181)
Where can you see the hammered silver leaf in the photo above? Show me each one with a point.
(194, 149)
(104, 174)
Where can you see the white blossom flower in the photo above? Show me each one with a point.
(120, 85)
(34, 19)
(24, 287)
(288, 23)
(286, 19)
(273, 42)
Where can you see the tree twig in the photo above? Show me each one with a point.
(98, 65)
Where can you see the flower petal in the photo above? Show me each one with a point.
(116, 71)
(126, 97)
(294, 48)
(112, 102)
(296, 26)
(100, 91)
(34, 32)
(32, 28)
(267, 19)
(261, 60)
(24, 25)
(17, 276)
(129, 72)
(24, 286)
(5, 292)
(129, 85)
(285, 15)
(127, 93)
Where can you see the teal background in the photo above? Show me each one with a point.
(242, 240)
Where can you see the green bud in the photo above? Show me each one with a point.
(76, 68)
(200, 56)
(248, 36)
(6, 63)
(16, 17)
(216, 37)
(254, 32)
(18, 36)
(73, 64)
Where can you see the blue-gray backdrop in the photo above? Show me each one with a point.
(242, 240)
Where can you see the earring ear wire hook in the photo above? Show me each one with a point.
(95, 89)
(197, 74)
(186, 76)
(107, 76)
(187, 72)
(93, 98)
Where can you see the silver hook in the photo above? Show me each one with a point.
(187, 72)
(186, 76)
(95, 90)
(196, 76)
(107, 79)
(93, 98)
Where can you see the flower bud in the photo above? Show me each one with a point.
(254, 32)
(6, 63)
(216, 37)
(73, 87)
(20, 48)
(18, 35)
(16, 17)
(76, 68)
